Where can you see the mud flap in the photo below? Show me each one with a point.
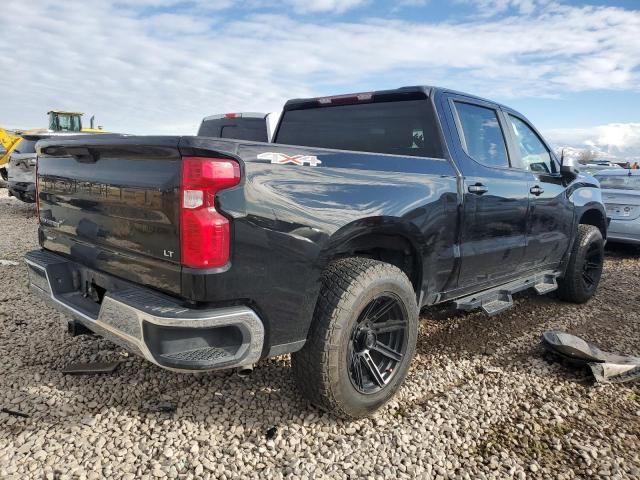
(606, 367)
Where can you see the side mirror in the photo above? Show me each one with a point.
(568, 168)
(569, 172)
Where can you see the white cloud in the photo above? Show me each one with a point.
(334, 6)
(614, 140)
(493, 7)
(412, 3)
(162, 72)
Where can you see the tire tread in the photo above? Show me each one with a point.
(570, 287)
(342, 280)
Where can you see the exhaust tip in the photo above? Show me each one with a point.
(244, 371)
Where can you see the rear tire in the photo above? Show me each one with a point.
(584, 270)
(362, 338)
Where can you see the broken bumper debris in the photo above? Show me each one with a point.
(606, 367)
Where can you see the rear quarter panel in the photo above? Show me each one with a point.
(290, 219)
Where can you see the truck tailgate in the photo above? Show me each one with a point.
(113, 206)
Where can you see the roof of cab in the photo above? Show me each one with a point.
(428, 91)
(218, 116)
(64, 112)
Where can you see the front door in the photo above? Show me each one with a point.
(551, 212)
(496, 196)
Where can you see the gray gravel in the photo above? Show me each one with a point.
(481, 400)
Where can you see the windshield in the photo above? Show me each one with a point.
(398, 127)
(619, 182)
(64, 123)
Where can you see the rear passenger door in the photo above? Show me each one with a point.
(496, 196)
(551, 212)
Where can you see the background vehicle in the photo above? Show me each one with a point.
(254, 126)
(201, 253)
(59, 121)
(8, 141)
(594, 168)
(63, 121)
(621, 195)
(21, 169)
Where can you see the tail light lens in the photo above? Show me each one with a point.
(204, 232)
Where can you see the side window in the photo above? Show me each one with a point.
(483, 137)
(535, 155)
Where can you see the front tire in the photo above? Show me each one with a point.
(362, 338)
(584, 270)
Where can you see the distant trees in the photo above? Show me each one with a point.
(586, 156)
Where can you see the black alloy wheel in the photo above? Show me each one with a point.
(592, 266)
(378, 343)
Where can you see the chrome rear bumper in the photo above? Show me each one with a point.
(150, 324)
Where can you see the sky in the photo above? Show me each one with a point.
(159, 66)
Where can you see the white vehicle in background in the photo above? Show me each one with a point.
(621, 195)
(254, 126)
(598, 166)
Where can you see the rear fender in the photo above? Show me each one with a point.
(366, 236)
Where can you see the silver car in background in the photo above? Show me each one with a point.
(621, 195)
(596, 167)
(21, 169)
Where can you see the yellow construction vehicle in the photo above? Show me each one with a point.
(62, 121)
(8, 141)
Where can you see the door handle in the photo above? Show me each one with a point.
(478, 189)
(536, 190)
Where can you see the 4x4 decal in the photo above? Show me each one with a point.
(283, 159)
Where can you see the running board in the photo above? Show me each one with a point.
(498, 299)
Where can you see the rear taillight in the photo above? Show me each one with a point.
(204, 232)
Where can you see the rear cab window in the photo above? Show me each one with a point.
(252, 129)
(399, 127)
(482, 135)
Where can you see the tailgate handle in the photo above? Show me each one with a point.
(82, 154)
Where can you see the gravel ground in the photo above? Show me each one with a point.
(481, 399)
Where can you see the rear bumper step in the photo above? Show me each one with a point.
(148, 323)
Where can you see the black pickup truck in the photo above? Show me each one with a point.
(202, 253)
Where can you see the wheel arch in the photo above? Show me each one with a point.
(592, 215)
(388, 239)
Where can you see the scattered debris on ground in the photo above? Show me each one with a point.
(90, 368)
(163, 406)
(606, 367)
(15, 413)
